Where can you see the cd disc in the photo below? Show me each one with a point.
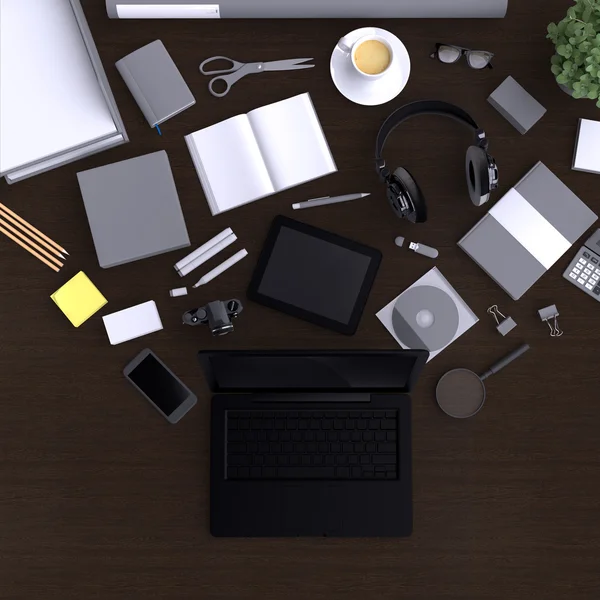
(425, 317)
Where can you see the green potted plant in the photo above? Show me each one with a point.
(576, 62)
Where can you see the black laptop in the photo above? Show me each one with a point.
(311, 443)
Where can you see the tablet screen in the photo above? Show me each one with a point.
(328, 279)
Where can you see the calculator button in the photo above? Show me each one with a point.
(581, 260)
(597, 290)
(587, 271)
(572, 276)
(576, 271)
(594, 260)
(597, 271)
(590, 266)
(589, 286)
(581, 281)
(594, 277)
(586, 255)
(584, 276)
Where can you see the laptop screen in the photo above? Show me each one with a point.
(370, 371)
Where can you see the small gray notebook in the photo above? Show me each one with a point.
(133, 209)
(155, 82)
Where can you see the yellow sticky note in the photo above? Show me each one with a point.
(79, 299)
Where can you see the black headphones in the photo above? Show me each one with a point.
(403, 192)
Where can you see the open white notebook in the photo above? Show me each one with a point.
(251, 156)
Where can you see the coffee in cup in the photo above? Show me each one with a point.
(372, 57)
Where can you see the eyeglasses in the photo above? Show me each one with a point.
(476, 59)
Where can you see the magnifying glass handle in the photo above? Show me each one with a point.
(503, 362)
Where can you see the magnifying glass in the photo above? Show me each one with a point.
(460, 393)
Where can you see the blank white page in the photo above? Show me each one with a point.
(231, 164)
(292, 142)
(50, 98)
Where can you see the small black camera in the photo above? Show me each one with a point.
(217, 315)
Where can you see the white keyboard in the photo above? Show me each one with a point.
(584, 270)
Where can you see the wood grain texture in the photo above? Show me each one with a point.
(101, 499)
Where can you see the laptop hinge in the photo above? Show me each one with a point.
(311, 397)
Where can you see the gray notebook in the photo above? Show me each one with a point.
(527, 230)
(155, 83)
(133, 209)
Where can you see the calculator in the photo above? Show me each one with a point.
(584, 270)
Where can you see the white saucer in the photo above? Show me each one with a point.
(378, 91)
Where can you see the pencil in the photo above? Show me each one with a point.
(27, 224)
(33, 235)
(30, 242)
(14, 239)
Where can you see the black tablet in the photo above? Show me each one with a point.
(314, 275)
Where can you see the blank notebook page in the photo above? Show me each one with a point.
(292, 142)
(231, 162)
(50, 98)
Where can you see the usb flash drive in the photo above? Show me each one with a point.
(423, 249)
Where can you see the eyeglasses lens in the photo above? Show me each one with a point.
(448, 54)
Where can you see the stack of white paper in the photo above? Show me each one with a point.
(53, 108)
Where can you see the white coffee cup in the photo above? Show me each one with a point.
(345, 45)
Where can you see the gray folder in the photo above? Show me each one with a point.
(133, 209)
(155, 82)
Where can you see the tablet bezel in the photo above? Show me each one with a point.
(280, 222)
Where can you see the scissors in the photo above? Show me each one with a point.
(239, 70)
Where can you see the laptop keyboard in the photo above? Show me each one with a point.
(307, 444)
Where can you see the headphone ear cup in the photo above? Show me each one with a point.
(478, 175)
(419, 212)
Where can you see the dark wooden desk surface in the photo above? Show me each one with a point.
(101, 498)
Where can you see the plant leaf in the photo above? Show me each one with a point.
(561, 78)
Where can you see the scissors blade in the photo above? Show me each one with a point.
(287, 65)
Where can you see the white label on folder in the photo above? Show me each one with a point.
(168, 11)
(536, 234)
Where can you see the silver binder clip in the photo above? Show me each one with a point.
(504, 324)
(549, 315)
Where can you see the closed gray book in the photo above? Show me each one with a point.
(155, 82)
(527, 230)
(133, 209)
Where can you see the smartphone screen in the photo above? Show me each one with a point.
(159, 385)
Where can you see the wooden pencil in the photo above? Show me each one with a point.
(30, 242)
(36, 237)
(30, 250)
(30, 226)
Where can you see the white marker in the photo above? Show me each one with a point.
(202, 249)
(222, 267)
(202, 258)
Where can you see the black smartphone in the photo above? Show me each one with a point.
(161, 387)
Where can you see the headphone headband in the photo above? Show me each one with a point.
(423, 107)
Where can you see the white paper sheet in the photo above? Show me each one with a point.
(229, 164)
(292, 142)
